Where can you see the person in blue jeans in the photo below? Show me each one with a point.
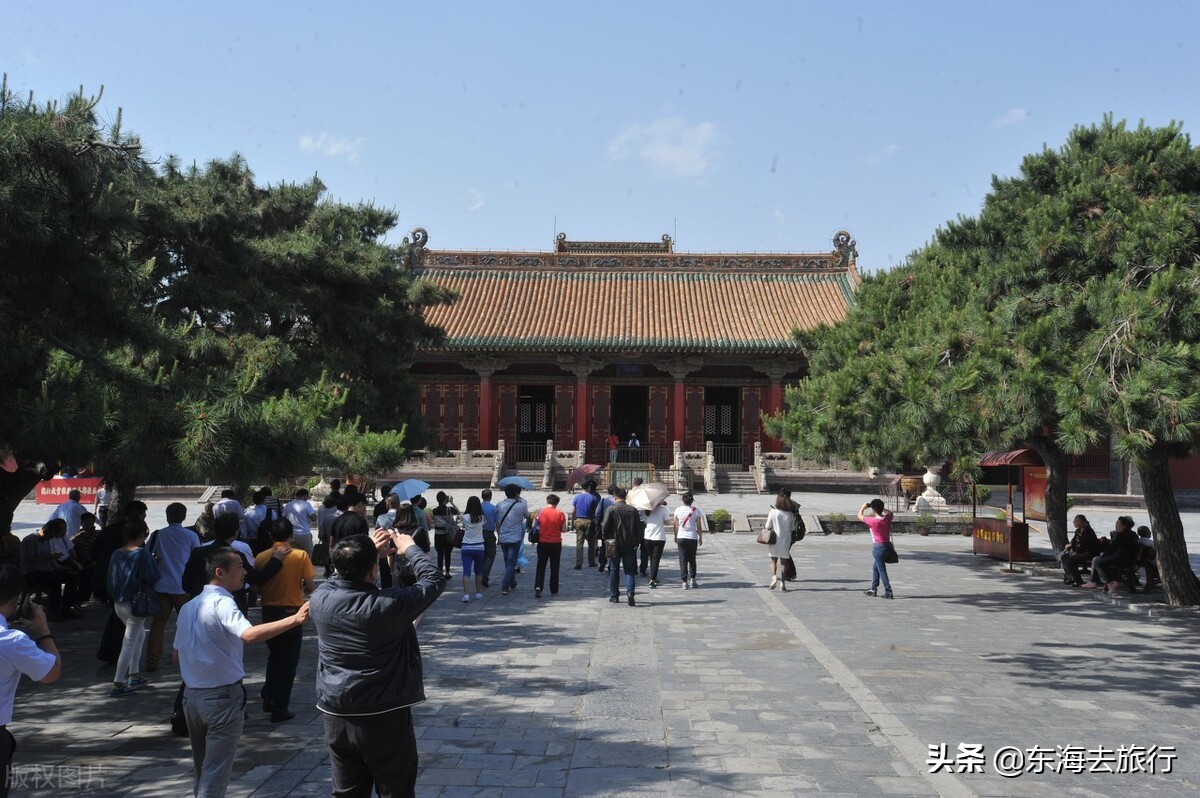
(879, 521)
(512, 517)
(622, 525)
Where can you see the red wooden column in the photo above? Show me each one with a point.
(487, 406)
(582, 373)
(581, 408)
(774, 404)
(678, 399)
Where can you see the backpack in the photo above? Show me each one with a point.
(798, 529)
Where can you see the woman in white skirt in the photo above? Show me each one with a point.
(780, 520)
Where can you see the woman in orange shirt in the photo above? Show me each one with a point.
(549, 525)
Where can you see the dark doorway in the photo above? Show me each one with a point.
(535, 414)
(630, 412)
(721, 425)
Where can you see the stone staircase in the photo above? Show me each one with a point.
(735, 482)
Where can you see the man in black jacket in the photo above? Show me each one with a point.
(623, 525)
(369, 673)
(1121, 553)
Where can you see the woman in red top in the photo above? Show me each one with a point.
(549, 524)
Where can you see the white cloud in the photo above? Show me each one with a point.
(1010, 117)
(333, 146)
(882, 155)
(778, 216)
(670, 145)
(477, 200)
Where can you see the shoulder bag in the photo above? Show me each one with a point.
(889, 554)
(145, 601)
(767, 536)
(798, 529)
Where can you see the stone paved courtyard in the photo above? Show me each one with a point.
(731, 689)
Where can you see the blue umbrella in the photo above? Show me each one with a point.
(409, 489)
(517, 480)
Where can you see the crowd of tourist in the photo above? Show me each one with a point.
(384, 568)
(209, 574)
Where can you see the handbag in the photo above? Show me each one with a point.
(144, 603)
(458, 538)
(534, 533)
(766, 537)
(889, 554)
(610, 549)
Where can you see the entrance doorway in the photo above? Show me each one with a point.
(721, 415)
(535, 423)
(630, 413)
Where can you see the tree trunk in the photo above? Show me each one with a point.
(1055, 460)
(124, 490)
(14, 488)
(1179, 581)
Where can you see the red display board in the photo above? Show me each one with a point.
(54, 491)
(1033, 487)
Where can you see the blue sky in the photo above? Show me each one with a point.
(752, 126)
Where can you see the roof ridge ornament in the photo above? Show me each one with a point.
(846, 247)
(413, 255)
(563, 246)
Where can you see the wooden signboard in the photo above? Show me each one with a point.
(995, 538)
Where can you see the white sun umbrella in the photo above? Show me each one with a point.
(648, 496)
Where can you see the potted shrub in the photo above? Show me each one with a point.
(924, 523)
(837, 522)
(719, 520)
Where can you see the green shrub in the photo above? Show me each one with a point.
(981, 493)
(720, 516)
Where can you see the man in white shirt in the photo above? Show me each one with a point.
(31, 653)
(208, 644)
(70, 511)
(171, 546)
(229, 503)
(301, 514)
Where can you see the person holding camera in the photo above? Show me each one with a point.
(879, 520)
(44, 569)
(369, 673)
(31, 652)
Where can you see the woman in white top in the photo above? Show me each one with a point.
(472, 548)
(656, 537)
(781, 521)
(688, 538)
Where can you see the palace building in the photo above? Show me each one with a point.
(625, 338)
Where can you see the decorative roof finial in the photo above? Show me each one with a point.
(414, 249)
(846, 247)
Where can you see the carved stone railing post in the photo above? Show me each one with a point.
(681, 480)
(710, 468)
(759, 468)
(464, 454)
(548, 466)
(498, 466)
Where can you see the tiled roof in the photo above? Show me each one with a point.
(505, 308)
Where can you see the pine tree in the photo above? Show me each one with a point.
(1065, 313)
